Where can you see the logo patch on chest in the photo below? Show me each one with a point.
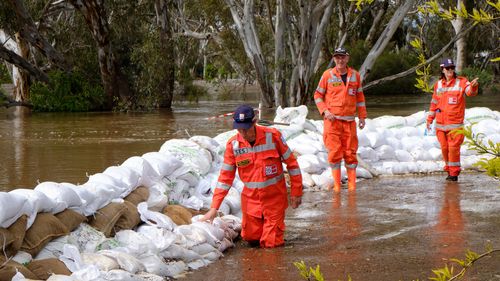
(243, 163)
(352, 92)
(452, 100)
(271, 170)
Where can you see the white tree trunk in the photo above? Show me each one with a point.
(385, 37)
(376, 23)
(279, 50)
(461, 43)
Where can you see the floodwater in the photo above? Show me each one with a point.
(67, 147)
(391, 228)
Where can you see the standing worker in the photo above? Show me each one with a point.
(338, 96)
(448, 107)
(257, 153)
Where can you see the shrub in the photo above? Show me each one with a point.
(67, 92)
(485, 79)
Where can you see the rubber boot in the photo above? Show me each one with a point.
(336, 180)
(351, 179)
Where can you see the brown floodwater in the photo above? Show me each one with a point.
(66, 147)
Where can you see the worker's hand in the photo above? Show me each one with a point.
(428, 125)
(361, 123)
(210, 215)
(295, 201)
(328, 115)
(474, 82)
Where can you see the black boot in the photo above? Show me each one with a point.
(452, 178)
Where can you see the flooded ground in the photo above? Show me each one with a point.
(392, 228)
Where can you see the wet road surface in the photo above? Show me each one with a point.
(392, 228)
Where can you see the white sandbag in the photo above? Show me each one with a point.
(416, 119)
(224, 208)
(135, 163)
(363, 140)
(324, 180)
(225, 244)
(103, 262)
(233, 200)
(118, 186)
(209, 144)
(89, 205)
(176, 188)
(476, 114)
(410, 143)
(135, 243)
(18, 277)
(309, 163)
(154, 264)
(428, 166)
(385, 152)
(22, 257)
(420, 154)
(397, 168)
(53, 249)
(494, 138)
(59, 277)
(72, 258)
(213, 231)
(158, 198)
(157, 165)
(368, 153)
(149, 276)
(162, 238)
(120, 275)
(389, 122)
(179, 252)
(291, 115)
(85, 238)
(193, 236)
(102, 194)
(403, 156)
(38, 202)
(435, 154)
(233, 222)
(60, 193)
(185, 173)
(363, 173)
(486, 127)
(128, 176)
(197, 264)
(192, 202)
(394, 143)
(125, 261)
(155, 218)
(375, 139)
(301, 149)
(307, 180)
(12, 206)
(87, 273)
(191, 154)
(222, 138)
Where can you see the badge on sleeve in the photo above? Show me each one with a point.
(452, 100)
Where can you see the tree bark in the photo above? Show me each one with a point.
(21, 89)
(13, 58)
(384, 38)
(167, 49)
(95, 15)
(279, 59)
(461, 43)
(30, 33)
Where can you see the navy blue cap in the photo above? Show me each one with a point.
(447, 62)
(340, 51)
(243, 117)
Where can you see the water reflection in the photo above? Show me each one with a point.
(449, 231)
(346, 229)
(263, 264)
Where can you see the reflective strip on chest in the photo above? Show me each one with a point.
(269, 145)
(455, 87)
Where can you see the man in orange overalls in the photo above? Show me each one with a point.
(448, 107)
(257, 153)
(338, 96)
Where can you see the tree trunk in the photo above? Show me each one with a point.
(376, 23)
(95, 15)
(30, 33)
(13, 58)
(279, 59)
(461, 43)
(21, 90)
(384, 38)
(167, 49)
(245, 25)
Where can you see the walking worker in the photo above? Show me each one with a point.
(257, 154)
(448, 107)
(338, 97)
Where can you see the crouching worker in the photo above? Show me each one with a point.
(257, 153)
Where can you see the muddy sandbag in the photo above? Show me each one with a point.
(128, 220)
(137, 196)
(105, 218)
(179, 214)
(9, 269)
(45, 228)
(71, 219)
(11, 238)
(46, 267)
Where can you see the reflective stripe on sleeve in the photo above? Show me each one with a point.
(222, 185)
(264, 184)
(287, 154)
(294, 172)
(360, 90)
(321, 90)
(227, 167)
(359, 104)
(431, 113)
(318, 100)
(434, 101)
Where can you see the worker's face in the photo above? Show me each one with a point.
(449, 72)
(341, 61)
(248, 134)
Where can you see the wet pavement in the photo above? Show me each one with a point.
(392, 228)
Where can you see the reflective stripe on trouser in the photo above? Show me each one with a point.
(341, 141)
(450, 149)
(268, 230)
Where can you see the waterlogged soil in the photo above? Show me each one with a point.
(391, 228)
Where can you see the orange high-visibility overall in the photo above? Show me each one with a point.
(448, 107)
(339, 136)
(264, 197)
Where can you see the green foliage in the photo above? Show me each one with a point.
(4, 75)
(485, 78)
(476, 142)
(192, 93)
(66, 92)
(309, 274)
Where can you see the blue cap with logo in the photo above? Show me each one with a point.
(340, 52)
(447, 62)
(243, 117)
